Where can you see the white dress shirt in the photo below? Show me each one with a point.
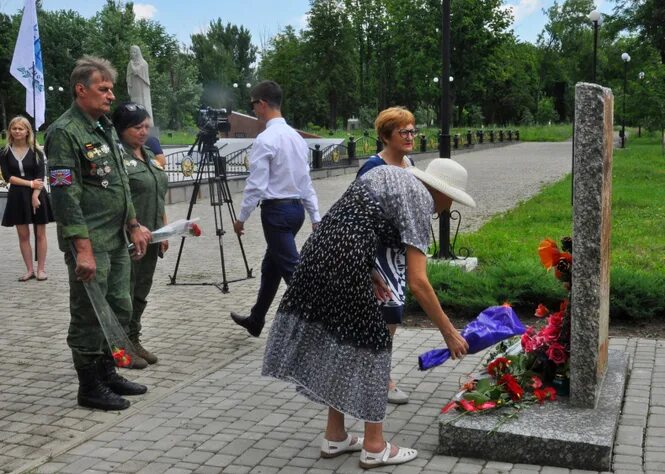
(279, 169)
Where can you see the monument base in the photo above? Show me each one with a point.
(467, 264)
(552, 434)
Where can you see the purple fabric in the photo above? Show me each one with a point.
(493, 325)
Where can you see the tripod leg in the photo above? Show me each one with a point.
(192, 201)
(216, 199)
(229, 204)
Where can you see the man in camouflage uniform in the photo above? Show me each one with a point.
(93, 208)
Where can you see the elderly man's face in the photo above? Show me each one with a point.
(95, 100)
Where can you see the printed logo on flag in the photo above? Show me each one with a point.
(62, 177)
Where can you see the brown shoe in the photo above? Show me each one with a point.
(143, 353)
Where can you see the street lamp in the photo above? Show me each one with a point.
(640, 76)
(625, 57)
(597, 19)
(444, 138)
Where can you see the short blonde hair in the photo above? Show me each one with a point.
(391, 118)
(30, 139)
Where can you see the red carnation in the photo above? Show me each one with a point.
(498, 366)
(467, 405)
(536, 382)
(195, 230)
(449, 406)
(514, 389)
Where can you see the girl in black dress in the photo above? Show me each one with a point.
(22, 165)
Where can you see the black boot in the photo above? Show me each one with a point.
(117, 383)
(94, 394)
(253, 326)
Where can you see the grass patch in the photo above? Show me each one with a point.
(506, 246)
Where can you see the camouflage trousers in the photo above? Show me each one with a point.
(141, 282)
(85, 338)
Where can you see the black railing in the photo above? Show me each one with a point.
(183, 167)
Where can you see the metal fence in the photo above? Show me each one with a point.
(182, 166)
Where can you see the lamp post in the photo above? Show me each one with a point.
(444, 138)
(597, 19)
(640, 76)
(625, 57)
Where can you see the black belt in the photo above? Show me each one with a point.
(277, 202)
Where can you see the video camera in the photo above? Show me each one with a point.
(211, 121)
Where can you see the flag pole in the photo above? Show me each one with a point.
(34, 100)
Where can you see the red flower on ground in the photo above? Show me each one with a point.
(544, 394)
(550, 332)
(556, 319)
(527, 342)
(536, 382)
(469, 385)
(542, 311)
(514, 389)
(449, 406)
(557, 353)
(498, 366)
(467, 405)
(486, 405)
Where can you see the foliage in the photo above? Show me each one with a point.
(546, 115)
(508, 273)
(224, 55)
(356, 57)
(329, 42)
(648, 18)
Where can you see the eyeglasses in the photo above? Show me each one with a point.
(133, 107)
(407, 132)
(253, 103)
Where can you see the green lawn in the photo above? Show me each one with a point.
(506, 246)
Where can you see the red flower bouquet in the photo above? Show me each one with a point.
(520, 373)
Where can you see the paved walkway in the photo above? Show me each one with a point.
(208, 410)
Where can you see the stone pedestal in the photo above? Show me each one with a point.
(554, 434)
(579, 432)
(592, 198)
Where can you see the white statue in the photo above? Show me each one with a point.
(138, 82)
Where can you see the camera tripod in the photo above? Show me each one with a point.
(219, 195)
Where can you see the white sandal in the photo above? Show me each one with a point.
(331, 449)
(369, 460)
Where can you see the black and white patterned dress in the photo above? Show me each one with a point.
(328, 336)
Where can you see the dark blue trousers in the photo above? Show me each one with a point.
(281, 222)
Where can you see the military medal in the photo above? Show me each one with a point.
(133, 163)
(105, 184)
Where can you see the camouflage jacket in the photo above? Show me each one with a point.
(148, 183)
(89, 184)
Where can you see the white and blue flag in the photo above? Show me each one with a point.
(27, 66)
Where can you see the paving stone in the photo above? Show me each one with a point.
(208, 408)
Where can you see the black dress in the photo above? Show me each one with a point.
(329, 337)
(19, 198)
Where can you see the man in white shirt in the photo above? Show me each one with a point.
(279, 181)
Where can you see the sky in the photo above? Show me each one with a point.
(265, 18)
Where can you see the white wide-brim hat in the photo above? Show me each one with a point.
(446, 176)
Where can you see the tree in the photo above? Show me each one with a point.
(224, 55)
(64, 38)
(647, 17)
(287, 62)
(329, 41)
(566, 51)
(9, 88)
(179, 92)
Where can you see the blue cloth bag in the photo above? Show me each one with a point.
(493, 325)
